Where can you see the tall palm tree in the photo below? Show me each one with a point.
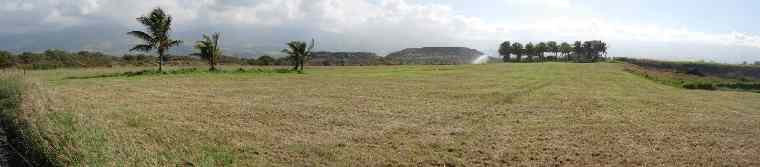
(553, 47)
(158, 25)
(530, 49)
(208, 49)
(566, 49)
(505, 51)
(517, 49)
(540, 50)
(299, 53)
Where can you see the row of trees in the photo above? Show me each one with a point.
(586, 51)
(156, 37)
(55, 58)
(58, 58)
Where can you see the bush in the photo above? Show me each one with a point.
(741, 86)
(261, 61)
(704, 86)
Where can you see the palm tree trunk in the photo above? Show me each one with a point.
(213, 64)
(295, 63)
(160, 60)
(302, 63)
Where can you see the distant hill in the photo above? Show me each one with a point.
(434, 55)
(345, 59)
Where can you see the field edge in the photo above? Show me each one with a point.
(21, 141)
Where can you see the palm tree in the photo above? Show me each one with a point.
(589, 51)
(505, 51)
(577, 50)
(517, 49)
(566, 49)
(553, 47)
(208, 49)
(530, 49)
(299, 53)
(158, 25)
(540, 50)
(603, 48)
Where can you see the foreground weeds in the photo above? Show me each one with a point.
(24, 145)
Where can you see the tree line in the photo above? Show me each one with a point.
(579, 51)
(59, 58)
(55, 58)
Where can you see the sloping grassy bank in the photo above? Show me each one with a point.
(24, 146)
(703, 69)
(692, 80)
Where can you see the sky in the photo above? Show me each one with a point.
(726, 31)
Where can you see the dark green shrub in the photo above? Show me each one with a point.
(704, 86)
(741, 86)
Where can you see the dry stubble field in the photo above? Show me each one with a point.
(468, 115)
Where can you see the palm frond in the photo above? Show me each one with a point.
(146, 21)
(167, 21)
(142, 48)
(175, 43)
(141, 35)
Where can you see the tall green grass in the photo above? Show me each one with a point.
(20, 136)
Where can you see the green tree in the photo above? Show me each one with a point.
(158, 26)
(589, 51)
(299, 53)
(7, 59)
(505, 51)
(265, 60)
(603, 48)
(597, 50)
(530, 50)
(553, 48)
(566, 49)
(577, 50)
(208, 49)
(517, 49)
(541, 48)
